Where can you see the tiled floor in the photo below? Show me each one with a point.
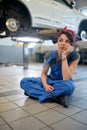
(19, 112)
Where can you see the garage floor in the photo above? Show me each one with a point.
(19, 112)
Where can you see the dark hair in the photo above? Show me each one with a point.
(69, 36)
(69, 33)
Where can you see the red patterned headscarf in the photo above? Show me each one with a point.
(72, 34)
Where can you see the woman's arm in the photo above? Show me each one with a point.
(48, 88)
(68, 70)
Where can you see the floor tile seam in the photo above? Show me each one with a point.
(78, 121)
(3, 120)
(49, 107)
(2, 85)
(21, 107)
(35, 113)
(83, 99)
(42, 122)
(6, 123)
(47, 126)
(85, 109)
(3, 94)
(13, 100)
(4, 102)
(67, 118)
(84, 95)
(54, 122)
(10, 109)
(59, 121)
(78, 98)
(16, 108)
(63, 113)
(78, 107)
(26, 111)
(25, 118)
(77, 112)
(18, 119)
(9, 100)
(34, 103)
(24, 105)
(30, 114)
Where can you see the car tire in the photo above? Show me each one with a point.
(16, 20)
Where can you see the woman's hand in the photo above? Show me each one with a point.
(67, 51)
(48, 88)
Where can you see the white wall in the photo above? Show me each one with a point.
(6, 42)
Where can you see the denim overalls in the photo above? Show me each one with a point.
(34, 87)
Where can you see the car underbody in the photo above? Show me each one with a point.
(16, 21)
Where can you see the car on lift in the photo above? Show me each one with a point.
(30, 17)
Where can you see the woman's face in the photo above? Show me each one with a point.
(63, 42)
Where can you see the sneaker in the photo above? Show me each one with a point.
(65, 101)
(58, 100)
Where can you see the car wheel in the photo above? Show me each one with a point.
(15, 20)
(83, 35)
(12, 24)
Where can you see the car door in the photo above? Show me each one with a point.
(63, 15)
(41, 12)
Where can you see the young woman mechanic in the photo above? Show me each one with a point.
(62, 64)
